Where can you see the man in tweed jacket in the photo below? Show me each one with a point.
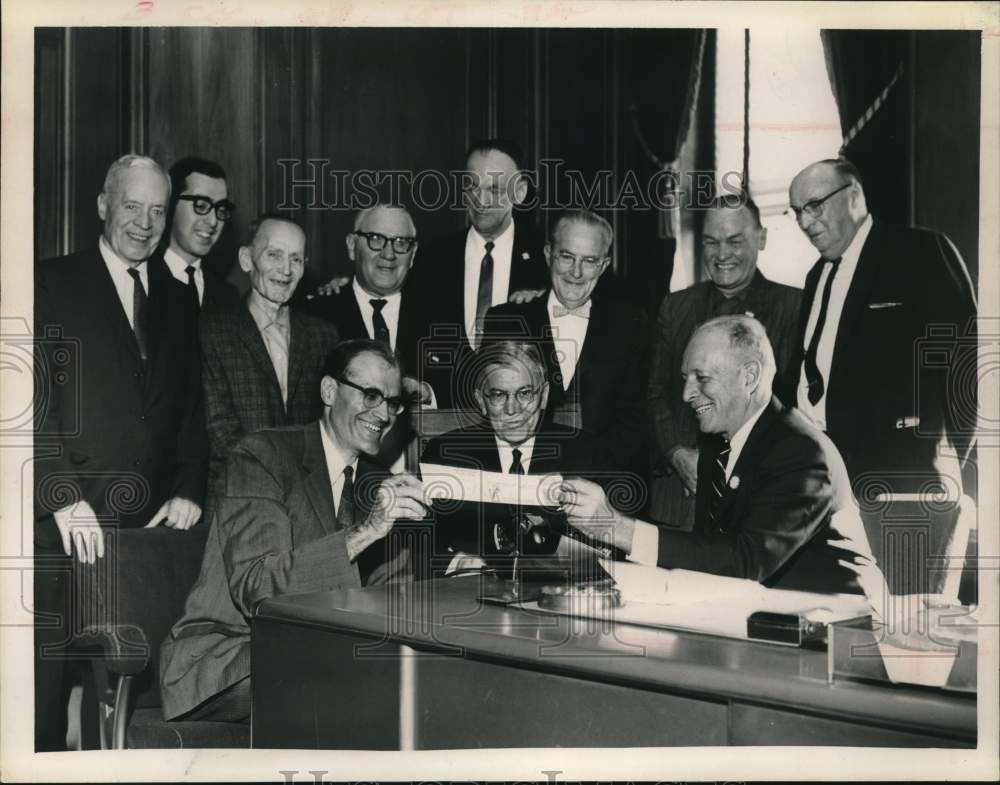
(731, 239)
(262, 360)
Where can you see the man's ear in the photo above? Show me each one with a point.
(752, 370)
(544, 396)
(520, 191)
(481, 403)
(102, 206)
(328, 390)
(350, 240)
(547, 250)
(246, 260)
(762, 239)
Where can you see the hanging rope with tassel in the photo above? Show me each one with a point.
(745, 178)
(870, 112)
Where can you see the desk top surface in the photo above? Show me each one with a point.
(445, 617)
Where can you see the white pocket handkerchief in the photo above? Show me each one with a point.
(878, 306)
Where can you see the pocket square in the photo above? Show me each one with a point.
(907, 422)
(877, 306)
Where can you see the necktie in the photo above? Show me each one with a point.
(345, 510)
(558, 311)
(484, 299)
(515, 464)
(192, 287)
(378, 322)
(276, 343)
(730, 306)
(813, 377)
(139, 312)
(718, 483)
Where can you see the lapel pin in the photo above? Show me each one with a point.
(525, 255)
(734, 482)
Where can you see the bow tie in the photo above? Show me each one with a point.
(558, 311)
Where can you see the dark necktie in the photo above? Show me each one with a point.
(730, 306)
(515, 464)
(813, 377)
(718, 484)
(139, 312)
(378, 322)
(345, 510)
(192, 288)
(484, 299)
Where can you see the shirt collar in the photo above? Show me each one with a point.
(554, 301)
(506, 449)
(336, 459)
(366, 297)
(740, 437)
(178, 264)
(265, 313)
(505, 239)
(853, 252)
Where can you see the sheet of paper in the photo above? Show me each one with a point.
(472, 485)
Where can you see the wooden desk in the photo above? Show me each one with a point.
(425, 666)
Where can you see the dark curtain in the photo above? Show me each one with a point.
(662, 74)
(860, 64)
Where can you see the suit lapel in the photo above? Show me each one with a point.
(808, 296)
(317, 482)
(756, 443)
(298, 342)
(354, 323)
(115, 315)
(248, 332)
(600, 342)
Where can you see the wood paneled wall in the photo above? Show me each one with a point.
(329, 99)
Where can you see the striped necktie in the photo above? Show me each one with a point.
(718, 483)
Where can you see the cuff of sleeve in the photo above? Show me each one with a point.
(645, 544)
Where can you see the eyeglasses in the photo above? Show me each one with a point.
(202, 205)
(565, 261)
(498, 398)
(376, 242)
(373, 397)
(814, 207)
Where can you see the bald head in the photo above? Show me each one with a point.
(829, 205)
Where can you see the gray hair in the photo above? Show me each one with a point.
(588, 218)
(131, 161)
(509, 354)
(748, 340)
(360, 217)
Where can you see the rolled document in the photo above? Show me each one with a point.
(472, 485)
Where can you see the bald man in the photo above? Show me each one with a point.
(884, 326)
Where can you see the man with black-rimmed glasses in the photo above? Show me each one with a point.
(199, 211)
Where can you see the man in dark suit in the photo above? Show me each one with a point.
(262, 360)
(731, 239)
(511, 390)
(303, 509)
(199, 210)
(774, 504)
(595, 347)
(887, 325)
(120, 433)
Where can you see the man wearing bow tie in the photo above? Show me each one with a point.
(732, 237)
(774, 502)
(595, 347)
(199, 211)
(876, 296)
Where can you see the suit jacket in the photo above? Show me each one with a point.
(275, 532)
(609, 384)
(889, 409)
(122, 434)
(775, 522)
(468, 527)
(242, 394)
(673, 424)
(218, 291)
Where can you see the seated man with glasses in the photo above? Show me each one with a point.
(595, 348)
(378, 304)
(301, 509)
(511, 392)
(198, 213)
(261, 359)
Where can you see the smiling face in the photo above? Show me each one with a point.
(840, 216)
(513, 421)
(493, 192)
(134, 212)
(716, 385)
(355, 428)
(731, 241)
(276, 260)
(577, 258)
(382, 272)
(191, 235)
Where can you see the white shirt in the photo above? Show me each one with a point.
(390, 311)
(118, 269)
(178, 268)
(646, 536)
(475, 250)
(336, 462)
(838, 294)
(506, 450)
(569, 332)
